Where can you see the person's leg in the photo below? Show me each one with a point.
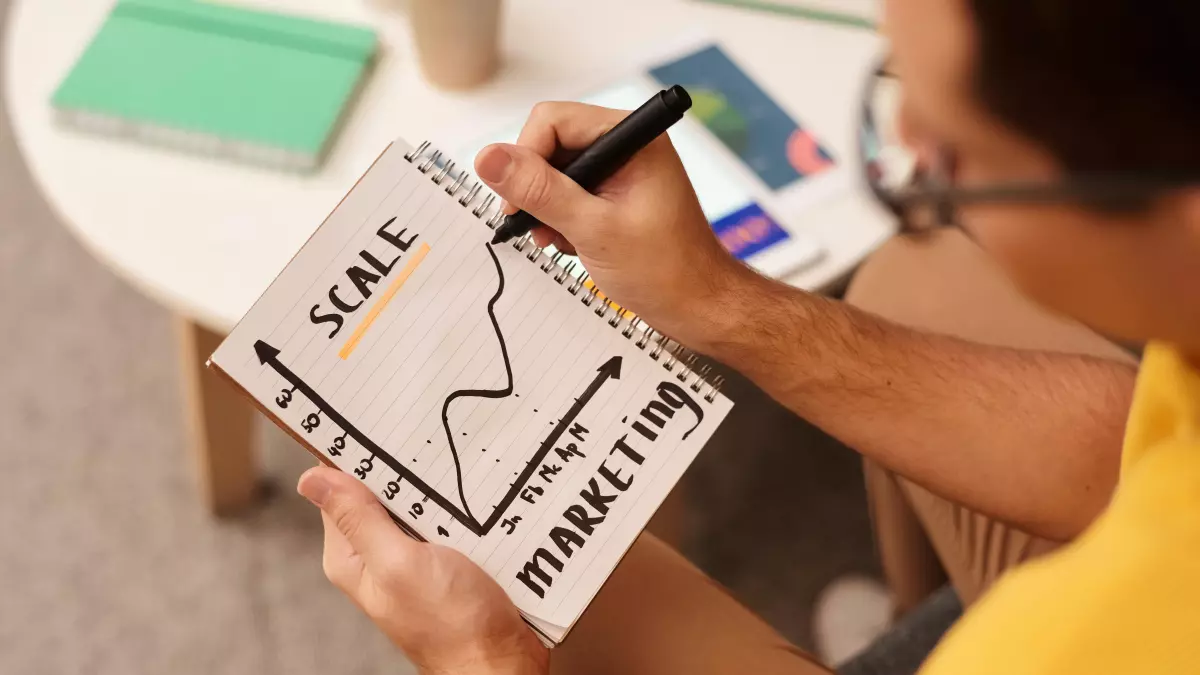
(659, 614)
(910, 565)
(944, 283)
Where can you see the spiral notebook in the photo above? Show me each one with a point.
(492, 398)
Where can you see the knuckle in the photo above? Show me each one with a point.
(538, 191)
(543, 111)
(347, 516)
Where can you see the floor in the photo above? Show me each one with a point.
(110, 565)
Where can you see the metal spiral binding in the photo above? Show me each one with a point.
(683, 363)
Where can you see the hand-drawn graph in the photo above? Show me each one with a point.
(611, 369)
(505, 392)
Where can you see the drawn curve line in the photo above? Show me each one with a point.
(479, 393)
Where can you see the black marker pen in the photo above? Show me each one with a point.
(611, 151)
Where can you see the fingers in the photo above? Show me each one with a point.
(525, 180)
(544, 236)
(355, 514)
(554, 125)
(558, 125)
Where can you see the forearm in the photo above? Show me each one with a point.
(1033, 438)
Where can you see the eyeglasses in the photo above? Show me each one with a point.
(924, 195)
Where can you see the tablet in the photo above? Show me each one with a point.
(755, 170)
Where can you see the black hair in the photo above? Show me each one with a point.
(1105, 85)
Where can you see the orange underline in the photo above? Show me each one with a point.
(383, 300)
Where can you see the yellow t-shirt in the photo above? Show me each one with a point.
(1124, 597)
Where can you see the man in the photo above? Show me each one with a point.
(1062, 136)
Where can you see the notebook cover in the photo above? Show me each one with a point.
(235, 74)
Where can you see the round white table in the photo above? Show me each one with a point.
(206, 236)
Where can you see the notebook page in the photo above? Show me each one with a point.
(487, 407)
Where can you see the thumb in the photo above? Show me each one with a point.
(526, 180)
(355, 511)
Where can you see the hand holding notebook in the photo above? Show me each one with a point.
(452, 616)
(492, 400)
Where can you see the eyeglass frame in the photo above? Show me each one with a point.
(934, 189)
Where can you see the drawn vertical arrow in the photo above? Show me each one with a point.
(269, 355)
(611, 369)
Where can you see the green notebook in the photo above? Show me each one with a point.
(262, 87)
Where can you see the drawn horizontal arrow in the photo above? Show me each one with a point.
(611, 369)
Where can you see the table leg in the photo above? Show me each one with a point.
(220, 425)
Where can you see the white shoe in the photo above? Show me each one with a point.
(849, 614)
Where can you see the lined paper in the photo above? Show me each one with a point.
(470, 390)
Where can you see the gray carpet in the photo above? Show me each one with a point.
(110, 565)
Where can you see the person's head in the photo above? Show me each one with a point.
(1027, 91)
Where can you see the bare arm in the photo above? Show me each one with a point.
(1031, 438)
